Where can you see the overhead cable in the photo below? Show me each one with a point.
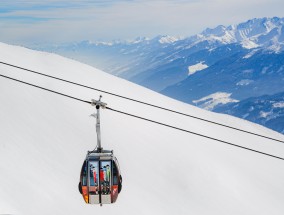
(145, 103)
(191, 132)
(142, 118)
(52, 91)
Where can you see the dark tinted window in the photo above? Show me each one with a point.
(115, 173)
(84, 174)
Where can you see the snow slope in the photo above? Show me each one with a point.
(44, 138)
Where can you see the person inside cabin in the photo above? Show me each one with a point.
(107, 174)
(94, 175)
(91, 175)
(102, 175)
(108, 178)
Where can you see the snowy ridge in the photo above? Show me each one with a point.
(250, 54)
(250, 34)
(45, 137)
(168, 39)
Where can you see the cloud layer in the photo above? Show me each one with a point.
(54, 21)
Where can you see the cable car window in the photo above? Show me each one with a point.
(94, 173)
(105, 177)
(84, 174)
(115, 173)
(93, 177)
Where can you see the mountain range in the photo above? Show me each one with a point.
(226, 64)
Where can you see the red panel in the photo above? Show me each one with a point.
(114, 193)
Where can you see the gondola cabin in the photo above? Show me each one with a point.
(100, 179)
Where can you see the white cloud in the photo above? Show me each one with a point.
(58, 21)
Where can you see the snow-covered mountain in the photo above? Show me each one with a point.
(243, 60)
(265, 33)
(44, 138)
(165, 59)
(267, 110)
(242, 75)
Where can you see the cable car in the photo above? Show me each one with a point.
(100, 178)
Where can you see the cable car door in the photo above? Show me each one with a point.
(105, 181)
(93, 182)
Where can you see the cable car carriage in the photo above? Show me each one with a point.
(100, 178)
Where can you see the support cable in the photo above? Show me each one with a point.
(191, 132)
(145, 103)
(142, 118)
(52, 91)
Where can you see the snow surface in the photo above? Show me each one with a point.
(44, 139)
(278, 105)
(264, 114)
(212, 100)
(250, 54)
(168, 39)
(244, 82)
(196, 67)
(248, 44)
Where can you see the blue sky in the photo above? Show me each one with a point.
(53, 21)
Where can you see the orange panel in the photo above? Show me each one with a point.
(85, 193)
